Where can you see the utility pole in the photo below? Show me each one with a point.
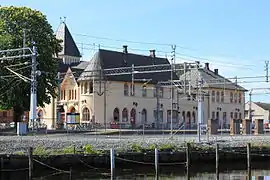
(200, 106)
(266, 70)
(250, 110)
(33, 101)
(172, 64)
(158, 106)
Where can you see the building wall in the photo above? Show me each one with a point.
(257, 112)
(233, 104)
(85, 100)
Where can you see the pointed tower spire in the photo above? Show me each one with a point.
(69, 46)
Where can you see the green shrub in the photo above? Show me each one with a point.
(89, 149)
(137, 148)
(69, 150)
(40, 151)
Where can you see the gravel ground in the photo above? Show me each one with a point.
(13, 144)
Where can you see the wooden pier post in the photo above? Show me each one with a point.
(156, 161)
(112, 163)
(217, 161)
(248, 156)
(30, 163)
(188, 158)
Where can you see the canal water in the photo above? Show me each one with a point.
(165, 174)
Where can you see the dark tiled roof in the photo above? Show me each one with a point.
(265, 106)
(210, 79)
(107, 59)
(77, 68)
(69, 46)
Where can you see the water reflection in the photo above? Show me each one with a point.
(232, 175)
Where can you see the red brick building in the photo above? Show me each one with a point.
(6, 116)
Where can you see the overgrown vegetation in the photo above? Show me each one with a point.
(137, 148)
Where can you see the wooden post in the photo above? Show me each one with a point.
(248, 156)
(30, 162)
(188, 158)
(112, 163)
(70, 173)
(156, 161)
(217, 160)
(74, 149)
(2, 163)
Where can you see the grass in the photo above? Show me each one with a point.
(137, 148)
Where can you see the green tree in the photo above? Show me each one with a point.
(14, 92)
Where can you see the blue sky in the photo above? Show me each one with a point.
(234, 36)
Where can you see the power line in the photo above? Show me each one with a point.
(147, 43)
(166, 52)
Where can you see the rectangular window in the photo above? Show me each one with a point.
(72, 94)
(224, 116)
(160, 92)
(231, 115)
(69, 95)
(91, 87)
(218, 96)
(235, 115)
(132, 90)
(213, 114)
(235, 97)
(240, 115)
(240, 98)
(213, 96)
(174, 116)
(75, 94)
(64, 95)
(125, 89)
(231, 97)
(144, 91)
(160, 115)
(172, 91)
(222, 97)
(61, 95)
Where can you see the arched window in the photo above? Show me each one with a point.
(125, 115)
(194, 117)
(188, 119)
(126, 89)
(72, 110)
(184, 116)
(86, 114)
(133, 116)
(116, 116)
(144, 116)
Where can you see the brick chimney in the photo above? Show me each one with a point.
(153, 53)
(216, 71)
(207, 66)
(125, 50)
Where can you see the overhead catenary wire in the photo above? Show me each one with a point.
(247, 66)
